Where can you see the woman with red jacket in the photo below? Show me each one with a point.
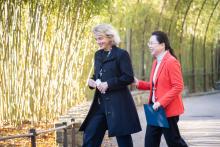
(165, 85)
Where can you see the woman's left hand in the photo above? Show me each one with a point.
(103, 87)
(156, 106)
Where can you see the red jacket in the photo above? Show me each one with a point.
(168, 85)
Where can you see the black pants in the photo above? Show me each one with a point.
(171, 134)
(96, 129)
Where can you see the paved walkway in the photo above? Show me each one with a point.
(199, 126)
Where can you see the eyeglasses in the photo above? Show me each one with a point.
(152, 43)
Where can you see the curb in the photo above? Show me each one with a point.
(201, 93)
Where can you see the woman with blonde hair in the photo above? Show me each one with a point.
(113, 108)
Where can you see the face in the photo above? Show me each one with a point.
(103, 41)
(155, 47)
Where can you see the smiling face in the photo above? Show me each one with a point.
(155, 47)
(103, 41)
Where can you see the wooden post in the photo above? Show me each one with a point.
(73, 134)
(65, 135)
(33, 137)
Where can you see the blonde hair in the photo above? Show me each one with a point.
(109, 31)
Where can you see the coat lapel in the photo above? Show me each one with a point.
(112, 55)
(162, 65)
(153, 69)
(99, 61)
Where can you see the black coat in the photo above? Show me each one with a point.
(120, 110)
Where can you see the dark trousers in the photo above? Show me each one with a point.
(171, 134)
(96, 128)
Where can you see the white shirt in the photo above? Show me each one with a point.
(159, 59)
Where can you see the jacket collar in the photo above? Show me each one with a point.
(100, 62)
(166, 56)
(112, 54)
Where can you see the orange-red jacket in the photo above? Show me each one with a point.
(168, 85)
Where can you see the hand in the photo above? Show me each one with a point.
(103, 87)
(156, 106)
(135, 81)
(98, 82)
(92, 83)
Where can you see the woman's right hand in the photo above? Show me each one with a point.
(92, 83)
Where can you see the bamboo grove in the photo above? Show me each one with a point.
(47, 48)
(45, 58)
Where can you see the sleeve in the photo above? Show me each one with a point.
(143, 85)
(176, 79)
(126, 77)
(93, 77)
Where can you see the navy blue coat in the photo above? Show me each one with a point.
(120, 110)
